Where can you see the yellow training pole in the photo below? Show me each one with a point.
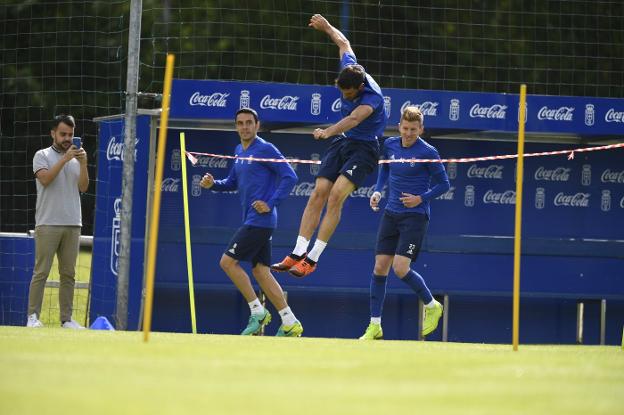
(160, 162)
(518, 228)
(187, 233)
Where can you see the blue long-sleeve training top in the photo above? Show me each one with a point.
(413, 178)
(266, 181)
(372, 128)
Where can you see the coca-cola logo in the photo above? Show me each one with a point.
(117, 150)
(609, 176)
(508, 197)
(614, 116)
(575, 200)
(448, 195)
(493, 171)
(559, 174)
(556, 114)
(305, 189)
(336, 105)
(170, 185)
(365, 192)
(216, 99)
(495, 111)
(212, 162)
(428, 108)
(285, 103)
(302, 189)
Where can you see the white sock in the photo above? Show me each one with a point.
(302, 246)
(288, 317)
(317, 250)
(375, 320)
(431, 304)
(256, 307)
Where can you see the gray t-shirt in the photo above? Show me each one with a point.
(58, 203)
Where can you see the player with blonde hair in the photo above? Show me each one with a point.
(411, 187)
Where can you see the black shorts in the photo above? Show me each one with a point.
(354, 159)
(251, 243)
(401, 234)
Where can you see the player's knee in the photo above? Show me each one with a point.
(400, 270)
(335, 201)
(260, 272)
(318, 196)
(380, 270)
(226, 263)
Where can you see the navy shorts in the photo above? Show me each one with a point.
(252, 244)
(401, 234)
(354, 159)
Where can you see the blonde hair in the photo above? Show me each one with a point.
(412, 113)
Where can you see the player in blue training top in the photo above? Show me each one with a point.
(261, 187)
(404, 223)
(352, 155)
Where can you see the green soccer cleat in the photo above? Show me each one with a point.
(256, 322)
(294, 330)
(373, 332)
(432, 317)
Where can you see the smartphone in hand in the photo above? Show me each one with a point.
(77, 141)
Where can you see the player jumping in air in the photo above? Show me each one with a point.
(352, 155)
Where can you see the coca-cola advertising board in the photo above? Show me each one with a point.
(563, 198)
(578, 198)
(108, 219)
(444, 110)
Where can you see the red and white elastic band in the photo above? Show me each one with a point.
(192, 156)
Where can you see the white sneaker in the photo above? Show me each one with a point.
(33, 321)
(72, 324)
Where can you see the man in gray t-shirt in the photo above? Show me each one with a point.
(61, 174)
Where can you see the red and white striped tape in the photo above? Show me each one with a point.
(192, 156)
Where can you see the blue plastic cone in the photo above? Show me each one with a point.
(102, 323)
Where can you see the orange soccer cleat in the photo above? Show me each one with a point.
(303, 268)
(287, 263)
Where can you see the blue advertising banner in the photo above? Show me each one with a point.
(580, 198)
(17, 259)
(108, 219)
(315, 104)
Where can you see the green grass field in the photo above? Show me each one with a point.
(56, 371)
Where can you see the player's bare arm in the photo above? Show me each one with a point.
(352, 120)
(321, 24)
